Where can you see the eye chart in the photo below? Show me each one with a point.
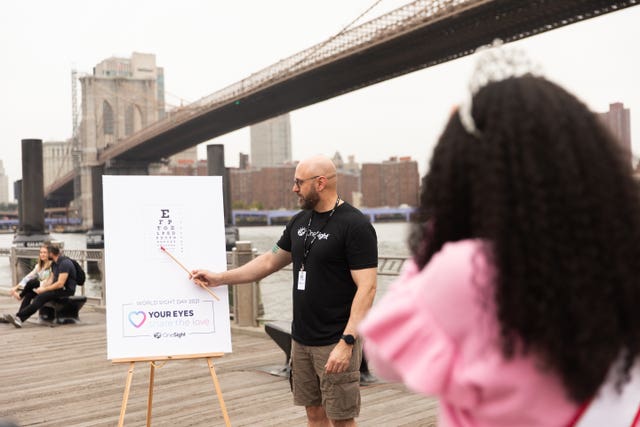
(153, 308)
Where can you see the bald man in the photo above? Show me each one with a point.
(334, 251)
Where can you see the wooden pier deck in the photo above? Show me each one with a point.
(59, 376)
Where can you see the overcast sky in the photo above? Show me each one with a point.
(205, 45)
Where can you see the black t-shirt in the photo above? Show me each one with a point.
(346, 242)
(64, 265)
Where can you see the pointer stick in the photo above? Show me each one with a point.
(206, 288)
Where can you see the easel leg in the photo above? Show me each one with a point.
(152, 371)
(125, 398)
(227, 422)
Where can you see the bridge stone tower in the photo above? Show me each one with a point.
(122, 96)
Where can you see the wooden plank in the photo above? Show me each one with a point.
(60, 376)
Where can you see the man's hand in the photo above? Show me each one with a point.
(206, 278)
(339, 358)
(39, 290)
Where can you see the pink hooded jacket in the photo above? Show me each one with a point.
(436, 331)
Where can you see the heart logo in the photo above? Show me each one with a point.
(137, 318)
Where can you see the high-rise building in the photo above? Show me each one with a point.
(271, 142)
(351, 166)
(4, 185)
(618, 121)
(394, 182)
(337, 160)
(243, 161)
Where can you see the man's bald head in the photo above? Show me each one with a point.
(317, 165)
(323, 187)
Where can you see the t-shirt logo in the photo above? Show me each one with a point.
(302, 231)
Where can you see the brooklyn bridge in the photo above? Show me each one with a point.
(418, 35)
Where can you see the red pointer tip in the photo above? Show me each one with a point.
(162, 247)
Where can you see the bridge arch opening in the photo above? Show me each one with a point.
(132, 119)
(107, 118)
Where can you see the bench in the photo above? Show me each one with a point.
(63, 310)
(280, 332)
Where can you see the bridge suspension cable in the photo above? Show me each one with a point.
(416, 17)
(339, 33)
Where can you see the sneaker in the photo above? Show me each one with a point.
(367, 379)
(4, 318)
(15, 320)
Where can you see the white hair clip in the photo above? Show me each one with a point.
(494, 63)
(464, 114)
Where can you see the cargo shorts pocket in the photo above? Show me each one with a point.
(341, 395)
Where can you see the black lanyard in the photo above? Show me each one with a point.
(307, 249)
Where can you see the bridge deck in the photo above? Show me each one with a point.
(59, 376)
(415, 36)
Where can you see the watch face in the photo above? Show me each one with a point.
(349, 339)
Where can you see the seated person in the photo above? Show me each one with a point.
(63, 284)
(39, 276)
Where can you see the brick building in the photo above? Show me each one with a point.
(393, 182)
(271, 187)
(187, 167)
(349, 187)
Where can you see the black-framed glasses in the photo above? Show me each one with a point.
(298, 182)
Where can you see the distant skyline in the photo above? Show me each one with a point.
(204, 46)
(4, 185)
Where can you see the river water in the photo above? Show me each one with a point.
(391, 242)
(275, 290)
(391, 237)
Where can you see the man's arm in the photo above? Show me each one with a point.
(255, 269)
(62, 279)
(365, 280)
(48, 280)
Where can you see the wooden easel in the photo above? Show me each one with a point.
(152, 368)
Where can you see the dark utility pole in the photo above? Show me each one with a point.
(215, 167)
(31, 230)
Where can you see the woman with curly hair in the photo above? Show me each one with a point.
(521, 303)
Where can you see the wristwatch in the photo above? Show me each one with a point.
(349, 339)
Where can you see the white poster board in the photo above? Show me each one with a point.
(153, 309)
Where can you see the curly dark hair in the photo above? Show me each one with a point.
(548, 186)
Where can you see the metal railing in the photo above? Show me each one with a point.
(22, 260)
(387, 265)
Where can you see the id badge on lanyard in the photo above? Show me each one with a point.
(302, 279)
(302, 274)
